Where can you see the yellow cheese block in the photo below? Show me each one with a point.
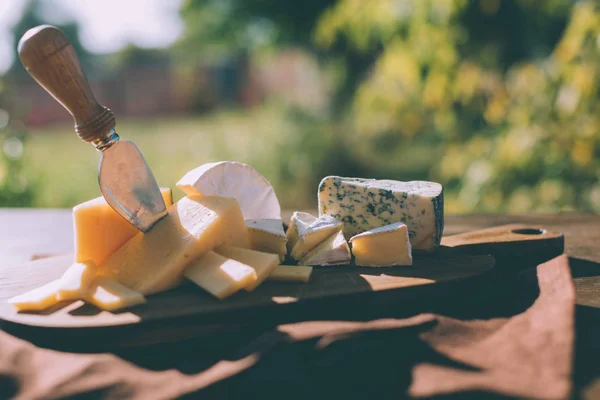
(75, 282)
(37, 299)
(262, 263)
(110, 295)
(154, 261)
(291, 273)
(100, 231)
(220, 276)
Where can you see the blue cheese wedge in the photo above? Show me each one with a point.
(382, 247)
(333, 251)
(306, 232)
(267, 235)
(365, 204)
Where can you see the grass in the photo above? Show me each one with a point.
(63, 169)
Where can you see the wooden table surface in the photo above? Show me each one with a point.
(24, 232)
(27, 232)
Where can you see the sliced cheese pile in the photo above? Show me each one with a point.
(385, 246)
(306, 232)
(365, 204)
(253, 191)
(220, 276)
(334, 250)
(262, 263)
(154, 261)
(227, 235)
(100, 231)
(267, 235)
(291, 273)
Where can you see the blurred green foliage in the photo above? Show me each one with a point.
(33, 15)
(496, 99)
(502, 95)
(17, 187)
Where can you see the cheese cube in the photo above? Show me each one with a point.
(75, 282)
(365, 204)
(334, 250)
(220, 276)
(307, 232)
(100, 231)
(262, 263)
(381, 247)
(154, 261)
(37, 299)
(291, 273)
(267, 235)
(110, 295)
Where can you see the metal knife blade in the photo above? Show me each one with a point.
(128, 185)
(126, 181)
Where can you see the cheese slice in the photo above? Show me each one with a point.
(100, 231)
(37, 299)
(75, 282)
(262, 263)
(154, 261)
(333, 251)
(110, 295)
(253, 191)
(381, 247)
(291, 273)
(220, 276)
(365, 204)
(267, 235)
(306, 232)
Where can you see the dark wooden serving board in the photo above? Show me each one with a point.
(455, 261)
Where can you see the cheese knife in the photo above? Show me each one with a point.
(125, 180)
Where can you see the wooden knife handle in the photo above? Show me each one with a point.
(50, 59)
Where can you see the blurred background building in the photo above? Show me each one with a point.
(496, 99)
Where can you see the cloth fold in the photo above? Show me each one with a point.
(528, 355)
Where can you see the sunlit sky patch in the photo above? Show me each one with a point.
(106, 25)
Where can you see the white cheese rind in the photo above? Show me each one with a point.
(365, 204)
(267, 235)
(254, 193)
(299, 219)
(333, 251)
(306, 232)
(382, 247)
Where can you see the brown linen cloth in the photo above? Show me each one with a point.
(528, 355)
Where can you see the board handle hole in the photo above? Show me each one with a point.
(529, 231)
